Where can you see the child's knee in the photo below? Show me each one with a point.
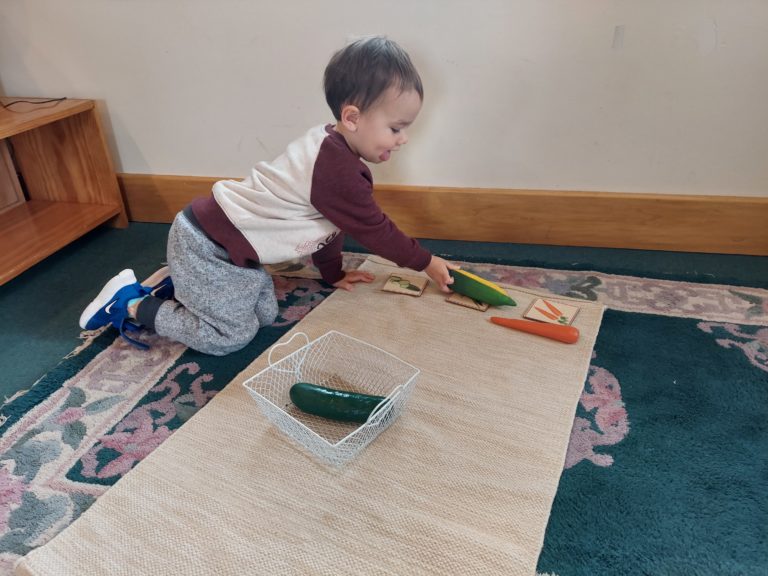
(267, 309)
(224, 346)
(217, 350)
(234, 339)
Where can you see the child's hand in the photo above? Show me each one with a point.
(438, 271)
(352, 277)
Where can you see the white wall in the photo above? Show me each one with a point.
(639, 95)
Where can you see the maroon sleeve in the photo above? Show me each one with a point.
(328, 260)
(342, 191)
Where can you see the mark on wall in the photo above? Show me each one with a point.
(618, 37)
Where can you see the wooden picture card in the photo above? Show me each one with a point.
(552, 311)
(462, 300)
(409, 285)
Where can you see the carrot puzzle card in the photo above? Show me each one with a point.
(552, 311)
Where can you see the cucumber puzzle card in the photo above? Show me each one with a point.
(552, 311)
(410, 285)
(462, 300)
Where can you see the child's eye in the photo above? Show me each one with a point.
(395, 130)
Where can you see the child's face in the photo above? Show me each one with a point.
(382, 129)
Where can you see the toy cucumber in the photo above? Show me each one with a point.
(333, 403)
(479, 289)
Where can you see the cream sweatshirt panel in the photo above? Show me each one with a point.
(272, 205)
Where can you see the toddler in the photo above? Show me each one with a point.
(304, 202)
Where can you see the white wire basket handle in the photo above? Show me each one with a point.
(281, 344)
(379, 412)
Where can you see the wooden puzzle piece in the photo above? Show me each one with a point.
(462, 300)
(410, 285)
(551, 311)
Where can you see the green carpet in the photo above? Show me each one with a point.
(685, 492)
(39, 310)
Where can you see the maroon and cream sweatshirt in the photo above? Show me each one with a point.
(302, 203)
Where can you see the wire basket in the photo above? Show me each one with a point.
(334, 360)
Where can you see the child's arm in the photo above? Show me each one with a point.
(328, 261)
(347, 201)
(437, 269)
(343, 193)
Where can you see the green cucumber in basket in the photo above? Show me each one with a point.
(333, 403)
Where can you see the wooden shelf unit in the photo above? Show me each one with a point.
(60, 151)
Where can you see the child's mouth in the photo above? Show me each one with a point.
(385, 156)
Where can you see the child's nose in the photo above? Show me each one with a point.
(403, 138)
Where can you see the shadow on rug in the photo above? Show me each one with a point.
(663, 475)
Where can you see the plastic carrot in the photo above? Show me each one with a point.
(567, 334)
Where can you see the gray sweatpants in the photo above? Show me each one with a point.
(219, 307)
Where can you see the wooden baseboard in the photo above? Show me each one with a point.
(713, 224)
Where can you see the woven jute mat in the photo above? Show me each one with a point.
(462, 483)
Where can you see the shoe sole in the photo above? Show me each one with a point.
(124, 278)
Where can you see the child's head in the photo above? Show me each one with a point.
(375, 93)
(362, 71)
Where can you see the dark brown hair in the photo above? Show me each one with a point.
(362, 71)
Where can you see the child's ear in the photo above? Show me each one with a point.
(350, 115)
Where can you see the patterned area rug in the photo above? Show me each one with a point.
(665, 473)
